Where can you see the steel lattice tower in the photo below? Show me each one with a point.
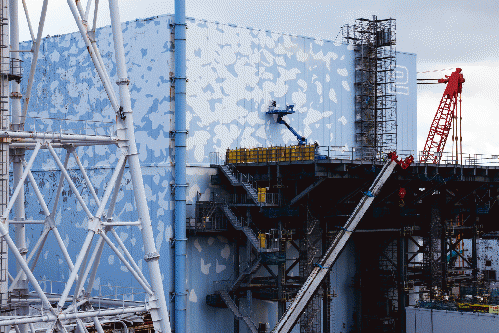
(74, 308)
(375, 94)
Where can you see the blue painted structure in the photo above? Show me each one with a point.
(180, 136)
(233, 73)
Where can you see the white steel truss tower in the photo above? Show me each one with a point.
(23, 301)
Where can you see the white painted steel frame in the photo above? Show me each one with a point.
(99, 224)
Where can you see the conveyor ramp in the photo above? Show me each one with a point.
(293, 312)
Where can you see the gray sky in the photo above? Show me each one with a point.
(443, 33)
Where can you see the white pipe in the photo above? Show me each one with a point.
(34, 60)
(74, 271)
(96, 263)
(25, 268)
(36, 249)
(97, 325)
(127, 254)
(70, 182)
(128, 266)
(100, 71)
(66, 316)
(80, 9)
(63, 248)
(110, 186)
(56, 136)
(117, 185)
(161, 312)
(87, 10)
(97, 249)
(27, 222)
(85, 176)
(120, 224)
(30, 144)
(20, 185)
(28, 20)
(59, 187)
(38, 193)
(96, 9)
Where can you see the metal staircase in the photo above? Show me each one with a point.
(251, 270)
(228, 173)
(239, 179)
(224, 294)
(236, 223)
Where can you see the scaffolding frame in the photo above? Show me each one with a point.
(374, 43)
(25, 300)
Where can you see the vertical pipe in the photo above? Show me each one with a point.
(160, 313)
(4, 144)
(19, 210)
(180, 165)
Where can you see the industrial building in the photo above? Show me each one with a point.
(284, 136)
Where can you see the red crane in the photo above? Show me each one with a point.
(446, 112)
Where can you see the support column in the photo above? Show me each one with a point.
(19, 211)
(281, 276)
(4, 143)
(249, 294)
(180, 165)
(326, 286)
(474, 257)
(159, 311)
(236, 274)
(402, 279)
(443, 256)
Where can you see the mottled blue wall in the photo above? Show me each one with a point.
(233, 74)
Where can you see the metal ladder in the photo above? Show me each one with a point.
(314, 280)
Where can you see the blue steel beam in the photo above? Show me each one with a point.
(180, 165)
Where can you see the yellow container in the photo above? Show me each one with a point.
(262, 194)
(274, 154)
(263, 240)
(241, 155)
(271, 154)
(310, 152)
(263, 155)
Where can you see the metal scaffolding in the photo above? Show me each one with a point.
(25, 304)
(375, 96)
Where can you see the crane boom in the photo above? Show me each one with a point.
(314, 280)
(446, 112)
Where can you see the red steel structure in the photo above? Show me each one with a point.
(441, 125)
